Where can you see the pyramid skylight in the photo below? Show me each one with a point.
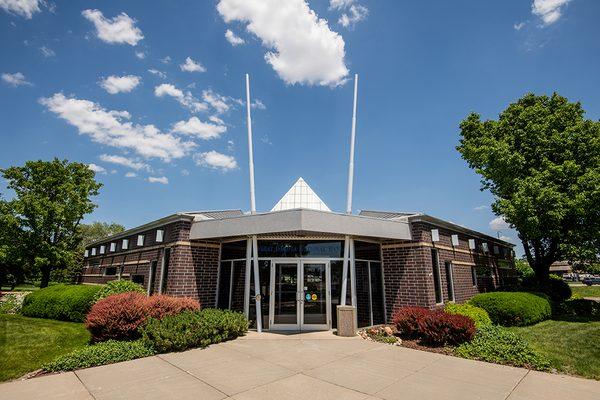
(300, 196)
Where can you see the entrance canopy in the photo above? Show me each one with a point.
(299, 220)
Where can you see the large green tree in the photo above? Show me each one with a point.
(97, 231)
(541, 161)
(50, 200)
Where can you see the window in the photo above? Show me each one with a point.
(496, 250)
(140, 240)
(94, 251)
(125, 244)
(151, 277)
(484, 247)
(437, 282)
(474, 276)
(224, 296)
(472, 245)
(435, 235)
(160, 233)
(139, 279)
(110, 271)
(86, 253)
(113, 247)
(455, 240)
(102, 249)
(450, 280)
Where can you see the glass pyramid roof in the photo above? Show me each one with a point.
(300, 195)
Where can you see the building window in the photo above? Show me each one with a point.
(437, 281)
(450, 280)
(485, 248)
(86, 253)
(110, 271)
(474, 276)
(435, 235)
(139, 279)
(140, 240)
(160, 233)
(455, 242)
(496, 250)
(113, 247)
(102, 249)
(125, 244)
(472, 245)
(151, 277)
(94, 251)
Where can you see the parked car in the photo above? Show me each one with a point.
(593, 280)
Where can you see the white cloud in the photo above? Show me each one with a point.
(120, 29)
(258, 104)
(185, 172)
(16, 79)
(507, 238)
(46, 51)
(97, 168)
(185, 99)
(195, 127)
(166, 60)
(216, 101)
(481, 207)
(120, 84)
(158, 179)
(499, 224)
(192, 66)
(215, 160)
(304, 49)
(233, 39)
(549, 11)
(125, 162)
(24, 8)
(519, 26)
(157, 73)
(112, 128)
(140, 54)
(353, 12)
(216, 120)
(130, 174)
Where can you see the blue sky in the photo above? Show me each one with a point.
(110, 84)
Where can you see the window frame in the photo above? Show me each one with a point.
(113, 247)
(474, 276)
(141, 237)
(161, 233)
(437, 280)
(102, 249)
(449, 268)
(125, 244)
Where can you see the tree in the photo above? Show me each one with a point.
(50, 200)
(97, 231)
(541, 161)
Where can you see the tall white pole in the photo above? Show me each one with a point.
(351, 164)
(250, 152)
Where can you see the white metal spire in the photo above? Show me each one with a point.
(351, 163)
(250, 151)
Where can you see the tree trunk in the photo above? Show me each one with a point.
(45, 276)
(542, 271)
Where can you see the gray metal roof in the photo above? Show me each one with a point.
(384, 214)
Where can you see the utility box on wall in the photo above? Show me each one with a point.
(346, 321)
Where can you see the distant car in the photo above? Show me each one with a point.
(592, 281)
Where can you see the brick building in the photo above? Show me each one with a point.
(296, 257)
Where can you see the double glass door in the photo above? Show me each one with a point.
(300, 295)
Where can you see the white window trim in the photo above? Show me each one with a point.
(94, 251)
(86, 253)
(474, 276)
(439, 276)
(451, 271)
(102, 249)
(125, 244)
(161, 233)
(113, 247)
(455, 241)
(143, 238)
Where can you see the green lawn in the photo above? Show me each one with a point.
(571, 347)
(27, 343)
(586, 291)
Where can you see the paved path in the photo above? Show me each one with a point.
(311, 366)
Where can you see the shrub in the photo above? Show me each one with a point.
(109, 352)
(440, 328)
(479, 316)
(119, 316)
(408, 320)
(116, 287)
(62, 302)
(191, 329)
(555, 287)
(499, 345)
(580, 309)
(513, 308)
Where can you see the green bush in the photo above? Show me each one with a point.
(513, 308)
(116, 287)
(191, 329)
(479, 316)
(579, 309)
(108, 352)
(499, 345)
(61, 302)
(555, 287)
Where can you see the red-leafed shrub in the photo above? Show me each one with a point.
(408, 320)
(434, 327)
(439, 328)
(119, 316)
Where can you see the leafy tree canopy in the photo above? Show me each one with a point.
(97, 231)
(541, 161)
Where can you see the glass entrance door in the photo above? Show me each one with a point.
(300, 295)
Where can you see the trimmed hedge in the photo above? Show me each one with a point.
(119, 316)
(109, 352)
(579, 309)
(116, 287)
(499, 345)
(555, 287)
(61, 302)
(479, 316)
(513, 308)
(191, 329)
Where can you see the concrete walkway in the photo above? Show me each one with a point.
(313, 366)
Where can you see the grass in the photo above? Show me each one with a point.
(27, 343)
(572, 347)
(586, 291)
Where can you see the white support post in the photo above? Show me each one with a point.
(353, 280)
(256, 284)
(247, 278)
(352, 139)
(345, 270)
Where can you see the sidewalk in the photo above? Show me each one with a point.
(303, 366)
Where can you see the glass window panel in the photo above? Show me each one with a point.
(296, 248)
(224, 285)
(286, 289)
(363, 308)
(233, 250)
(367, 251)
(437, 283)
(377, 304)
(237, 285)
(336, 289)
(315, 294)
(450, 280)
(264, 272)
